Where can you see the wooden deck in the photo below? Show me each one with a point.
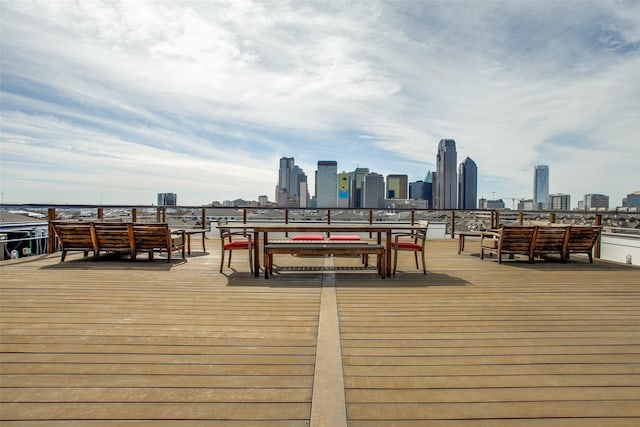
(472, 343)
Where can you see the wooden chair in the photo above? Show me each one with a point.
(229, 244)
(112, 237)
(413, 241)
(74, 236)
(510, 240)
(551, 239)
(152, 238)
(582, 239)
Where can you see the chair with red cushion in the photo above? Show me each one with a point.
(412, 242)
(229, 244)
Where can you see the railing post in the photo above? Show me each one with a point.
(204, 219)
(552, 217)
(244, 215)
(413, 217)
(596, 248)
(134, 214)
(521, 218)
(159, 214)
(286, 221)
(453, 224)
(328, 216)
(100, 213)
(370, 221)
(51, 247)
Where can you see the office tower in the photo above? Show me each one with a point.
(397, 186)
(167, 199)
(446, 183)
(416, 190)
(632, 200)
(428, 189)
(494, 204)
(343, 190)
(596, 201)
(355, 193)
(527, 205)
(263, 200)
(327, 184)
(373, 191)
(559, 202)
(291, 179)
(467, 184)
(541, 186)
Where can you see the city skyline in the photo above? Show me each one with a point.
(114, 102)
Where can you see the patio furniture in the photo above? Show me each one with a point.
(412, 241)
(510, 240)
(112, 237)
(229, 244)
(582, 239)
(152, 238)
(551, 240)
(74, 237)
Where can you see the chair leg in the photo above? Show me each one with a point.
(415, 255)
(424, 268)
(229, 263)
(395, 261)
(222, 261)
(251, 260)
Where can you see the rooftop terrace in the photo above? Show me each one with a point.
(322, 343)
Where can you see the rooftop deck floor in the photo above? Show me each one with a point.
(322, 343)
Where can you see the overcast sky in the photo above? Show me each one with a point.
(114, 101)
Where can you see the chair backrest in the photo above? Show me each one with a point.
(225, 233)
(421, 233)
(151, 236)
(112, 236)
(551, 238)
(583, 238)
(517, 238)
(75, 235)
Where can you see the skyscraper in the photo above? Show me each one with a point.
(467, 185)
(357, 180)
(292, 184)
(167, 199)
(327, 184)
(343, 190)
(447, 183)
(373, 191)
(397, 186)
(560, 202)
(428, 189)
(595, 201)
(541, 186)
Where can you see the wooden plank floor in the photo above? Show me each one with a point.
(472, 343)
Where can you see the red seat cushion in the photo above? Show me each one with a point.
(408, 245)
(344, 237)
(237, 244)
(308, 237)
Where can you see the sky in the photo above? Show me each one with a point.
(112, 102)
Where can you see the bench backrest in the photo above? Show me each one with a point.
(517, 238)
(151, 236)
(583, 238)
(551, 239)
(111, 235)
(74, 236)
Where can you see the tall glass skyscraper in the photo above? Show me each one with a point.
(373, 191)
(541, 186)
(467, 185)
(446, 183)
(327, 184)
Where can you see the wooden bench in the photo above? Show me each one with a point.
(156, 238)
(74, 236)
(322, 247)
(111, 237)
(582, 239)
(551, 239)
(510, 240)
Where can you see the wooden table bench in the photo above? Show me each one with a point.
(322, 247)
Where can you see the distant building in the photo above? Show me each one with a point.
(428, 189)
(446, 183)
(327, 184)
(167, 199)
(494, 204)
(482, 203)
(356, 184)
(373, 191)
(467, 184)
(632, 200)
(291, 190)
(541, 186)
(527, 205)
(559, 202)
(397, 186)
(416, 190)
(343, 190)
(596, 201)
